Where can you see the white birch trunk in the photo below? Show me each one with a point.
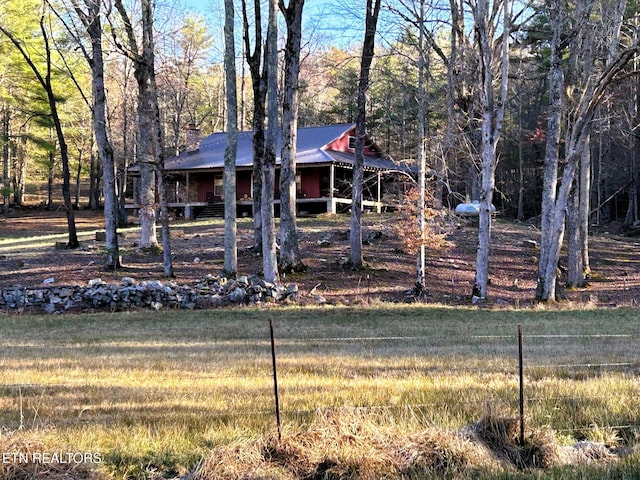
(492, 121)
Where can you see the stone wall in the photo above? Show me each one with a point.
(130, 295)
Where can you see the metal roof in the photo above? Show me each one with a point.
(311, 145)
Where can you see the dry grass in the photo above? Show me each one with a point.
(156, 394)
(29, 459)
(348, 444)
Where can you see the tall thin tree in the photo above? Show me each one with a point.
(355, 235)
(91, 20)
(269, 248)
(231, 148)
(420, 284)
(290, 259)
(142, 58)
(258, 71)
(493, 106)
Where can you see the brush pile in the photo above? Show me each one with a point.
(349, 444)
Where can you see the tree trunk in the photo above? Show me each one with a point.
(554, 206)
(547, 264)
(94, 182)
(585, 207)
(575, 267)
(290, 259)
(230, 229)
(50, 178)
(420, 286)
(19, 171)
(269, 250)
(355, 223)
(105, 149)
(156, 137)
(6, 189)
(258, 79)
(492, 118)
(76, 201)
(143, 72)
(521, 188)
(45, 82)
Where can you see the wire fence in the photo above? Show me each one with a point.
(270, 386)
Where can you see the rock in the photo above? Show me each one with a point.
(319, 299)
(529, 243)
(48, 281)
(324, 242)
(237, 295)
(210, 292)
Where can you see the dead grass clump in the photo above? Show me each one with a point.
(244, 460)
(501, 436)
(24, 459)
(348, 444)
(443, 453)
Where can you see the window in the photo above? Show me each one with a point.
(352, 142)
(218, 187)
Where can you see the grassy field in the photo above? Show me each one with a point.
(154, 393)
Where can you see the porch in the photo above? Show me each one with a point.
(320, 189)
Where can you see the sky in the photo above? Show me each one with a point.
(331, 20)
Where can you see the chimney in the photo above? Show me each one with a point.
(193, 137)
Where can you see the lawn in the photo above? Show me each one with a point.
(153, 393)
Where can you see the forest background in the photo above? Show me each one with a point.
(592, 109)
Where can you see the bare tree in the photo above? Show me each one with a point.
(150, 137)
(493, 106)
(91, 20)
(355, 235)
(556, 199)
(269, 250)
(258, 70)
(6, 190)
(290, 259)
(142, 58)
(420, 283)
(231, 148)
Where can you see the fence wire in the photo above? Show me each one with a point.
(263, 372)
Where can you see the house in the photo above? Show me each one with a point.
(324, 171)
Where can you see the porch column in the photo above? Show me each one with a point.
(379, 205)
(188, 214)
(331, 204)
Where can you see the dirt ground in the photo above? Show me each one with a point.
(197, 249)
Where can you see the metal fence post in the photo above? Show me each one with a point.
(275, 377)
(521, 374)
